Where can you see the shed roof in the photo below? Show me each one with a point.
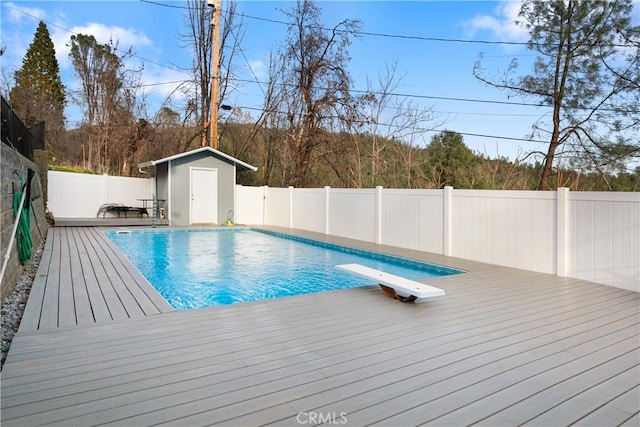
(238, 163)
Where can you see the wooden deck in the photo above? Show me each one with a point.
(83, 279)
(503, 347)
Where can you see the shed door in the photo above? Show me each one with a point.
(204, 196)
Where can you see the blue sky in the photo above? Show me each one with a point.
(430, 70)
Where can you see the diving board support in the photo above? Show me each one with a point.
(403, 289)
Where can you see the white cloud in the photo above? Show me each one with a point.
(16, 33)
(16, 13)
(124, 37)
(502, 24)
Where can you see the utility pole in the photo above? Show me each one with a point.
(215, 81)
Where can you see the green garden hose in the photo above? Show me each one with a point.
(23, 233)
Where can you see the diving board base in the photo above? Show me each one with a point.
(393, 286)
(390, 292)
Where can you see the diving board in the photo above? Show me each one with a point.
(401, 288)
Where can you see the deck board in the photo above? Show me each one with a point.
(66, 293)
(32, 312)
(588, 391)
(503, 347)
(119, 298)
(82, 305)
(98, 305)
(50, 307)
(147, 298)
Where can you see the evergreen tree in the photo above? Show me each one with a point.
(39, 94)
(450, 161)
(587, 69)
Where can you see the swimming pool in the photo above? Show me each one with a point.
(201, 268)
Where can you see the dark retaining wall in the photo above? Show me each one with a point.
(11, 164)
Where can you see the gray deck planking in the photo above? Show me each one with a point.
(83, 280)
(50, 308)
(83, 308)
(95, 303)
(31, 315)
(504, 347)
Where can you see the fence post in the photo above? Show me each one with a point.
(264, 204)
(236, 194)
(105, 189)
(290, 206)
(326, 209)
(378, 214)
(562, 228)
(446, 217)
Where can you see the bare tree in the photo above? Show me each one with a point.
(102, 75)
(397, 122)
(314, 84)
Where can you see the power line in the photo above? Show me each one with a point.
(353, 90)
(261, 83)
(418, 96)
(427, 130)
(408, 95)
(379, 34)
(449, 98)
(409, 37)
(51, 24)
(403, 95)
(248, 63)
(391, 125)
(387, 35)
(165, 5)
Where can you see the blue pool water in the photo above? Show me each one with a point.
(202, 268)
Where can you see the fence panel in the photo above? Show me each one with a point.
(352, 214)
(249, 205)
(604, 238)
(77, 195)
(413, 219)
(277, 207)
(508, 228)
(126, 190)
(309, 209)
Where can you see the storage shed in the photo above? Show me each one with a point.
(197, 187)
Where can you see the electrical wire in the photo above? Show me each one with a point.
(261, 83)
(255, 80)
(407, 95)
(379, 34)
(421, 129)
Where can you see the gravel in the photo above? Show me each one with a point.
(13, 306)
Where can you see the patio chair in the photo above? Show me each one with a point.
(119, 208)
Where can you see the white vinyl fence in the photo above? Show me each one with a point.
(77, 195)
(593, 236)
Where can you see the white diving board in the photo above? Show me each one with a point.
(405, 290)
